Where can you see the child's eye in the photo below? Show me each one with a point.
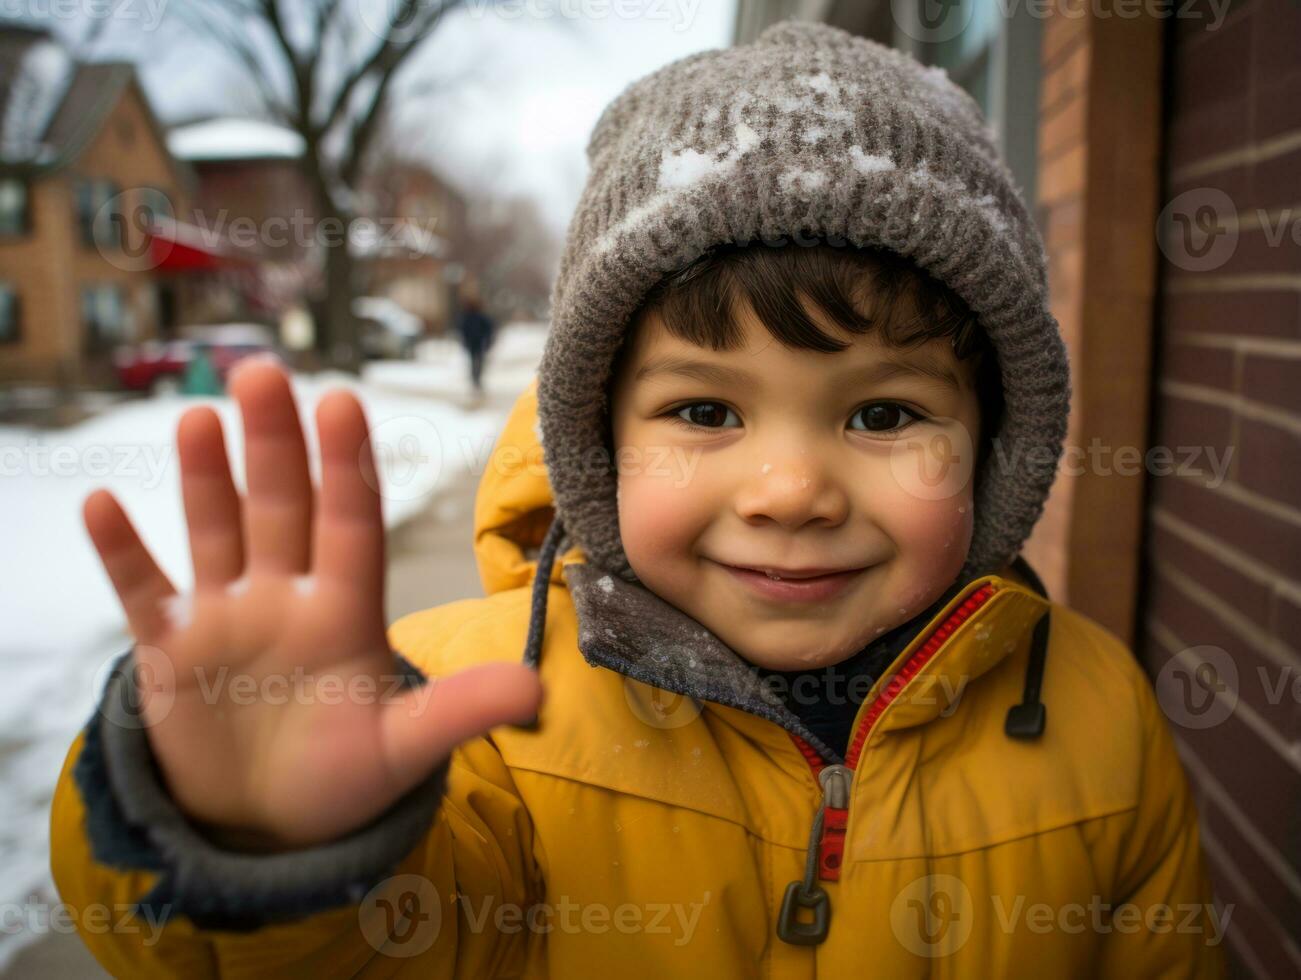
(704, 415)
(883, 417)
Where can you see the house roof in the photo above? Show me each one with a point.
(88, 99)
(52, 107)
(229, 138)
(34, 75)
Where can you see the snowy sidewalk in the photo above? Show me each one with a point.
(431, 437)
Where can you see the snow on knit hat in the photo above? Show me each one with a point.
(811, 131)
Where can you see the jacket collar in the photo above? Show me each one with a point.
(625, 627)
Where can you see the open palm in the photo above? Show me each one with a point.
(273, 705)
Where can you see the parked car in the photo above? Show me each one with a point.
(159, 366)
(387, 329)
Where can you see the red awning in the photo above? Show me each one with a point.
(178, 247)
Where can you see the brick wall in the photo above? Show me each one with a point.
(48, 312)
(1063, 147)
(1221, 623)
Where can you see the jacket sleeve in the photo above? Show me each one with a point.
(1163, 921)
(420, 885)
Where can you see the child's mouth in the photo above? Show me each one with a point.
(794, 586)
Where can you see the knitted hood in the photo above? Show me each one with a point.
(809, 130)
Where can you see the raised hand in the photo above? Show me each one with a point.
(273, 704)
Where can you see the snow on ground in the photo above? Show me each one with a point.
(65, 623)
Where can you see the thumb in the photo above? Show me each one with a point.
(422, 727)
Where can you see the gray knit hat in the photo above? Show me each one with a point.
(808, 130)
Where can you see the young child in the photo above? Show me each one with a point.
(806, 712)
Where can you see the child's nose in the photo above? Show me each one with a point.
(793, 492)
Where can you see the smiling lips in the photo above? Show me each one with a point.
(797, 573)
(794, 585)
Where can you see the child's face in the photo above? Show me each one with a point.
(798, 460)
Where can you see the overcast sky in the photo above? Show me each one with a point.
(539, 77)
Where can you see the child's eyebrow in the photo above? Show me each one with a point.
(878, 373)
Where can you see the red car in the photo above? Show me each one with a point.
(159, 366)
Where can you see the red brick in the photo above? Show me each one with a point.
(1272, 380)
(1194, 22)
(1063, 177)
(1061, 36)
(1277, 105)
(1060, 128)
(1250, 927)
(1196, 364)
(1275, 27)
(1269, 886)
(1269, 462)
(1062, 227)
(1276, 184)
(1255, 313)
(1285, 621)
(1256, 777)
(1182, 422)
(1261, 684)
(1259, 251)
(1235, 181)
(1271, 540)
(1068, 79)
(1208, 130)
(1247, 595)
(1216, 69)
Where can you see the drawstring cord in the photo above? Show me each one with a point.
(541, 583)
(538, 602)
(1028, 719)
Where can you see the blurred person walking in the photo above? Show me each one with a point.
(476, 330)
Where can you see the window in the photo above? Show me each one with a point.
(13, 207)
(104, 318)
(992, 51)
(11, 326)
(152, 204)
(98, 216)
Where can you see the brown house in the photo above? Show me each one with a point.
(83, 168)
(1161, 147)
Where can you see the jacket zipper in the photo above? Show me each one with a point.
(836, 781)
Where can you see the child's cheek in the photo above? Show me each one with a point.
(657, 520)
(933, 536)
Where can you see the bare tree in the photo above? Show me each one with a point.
(509, 248)
(326, 69)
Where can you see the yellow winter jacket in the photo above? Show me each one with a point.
(636, 832)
